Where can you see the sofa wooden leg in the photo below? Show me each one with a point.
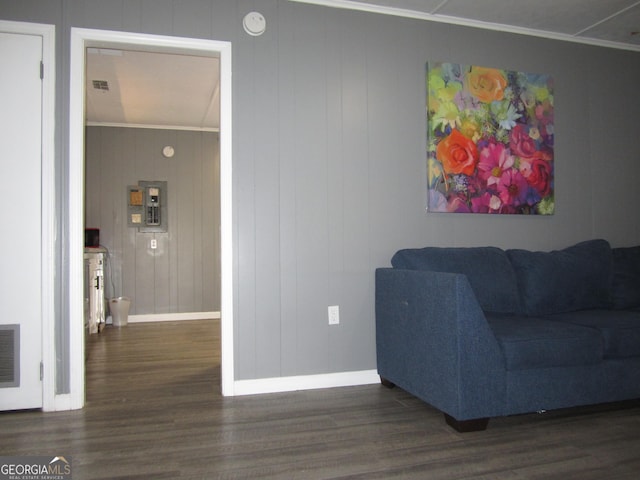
(387, 383)
(464, 426)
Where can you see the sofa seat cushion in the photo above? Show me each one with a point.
(576, 278)
(488, 270)
(626, 277)
(620, 329)
(533, 342)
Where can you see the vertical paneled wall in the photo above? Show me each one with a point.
(330, 170)
(183, 273)
(329, 159)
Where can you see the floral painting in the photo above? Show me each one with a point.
(490, 140)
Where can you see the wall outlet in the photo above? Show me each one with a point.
(154, 243)
(334, 315)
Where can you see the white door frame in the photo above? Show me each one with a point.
(48, 34)
(80, 40)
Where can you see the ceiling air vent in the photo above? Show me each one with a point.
(101, 85)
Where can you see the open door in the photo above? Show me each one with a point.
(21, 213)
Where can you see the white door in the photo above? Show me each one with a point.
(20, 216)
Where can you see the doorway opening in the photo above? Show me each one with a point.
(81, 40)
(152, 185)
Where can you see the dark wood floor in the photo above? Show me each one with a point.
(154, 411)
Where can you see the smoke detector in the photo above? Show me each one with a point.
(254, 23)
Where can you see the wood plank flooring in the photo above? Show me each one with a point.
(154, 411)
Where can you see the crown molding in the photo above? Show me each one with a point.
(434, 17)
(153, 126)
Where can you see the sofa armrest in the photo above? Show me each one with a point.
(433, 341)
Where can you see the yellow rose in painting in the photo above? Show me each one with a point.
(486, 84)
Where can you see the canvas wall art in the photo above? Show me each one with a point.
(490, 140)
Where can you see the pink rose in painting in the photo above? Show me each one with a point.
(538, 175)
(521, 143)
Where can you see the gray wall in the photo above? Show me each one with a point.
(329, 157)
(183, 273)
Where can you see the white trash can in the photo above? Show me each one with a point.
(119, 308)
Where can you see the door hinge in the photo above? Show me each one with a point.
(41, 70)
(41, 371)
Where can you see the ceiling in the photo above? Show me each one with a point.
(164, 90)
(614, 23)
(150, 89)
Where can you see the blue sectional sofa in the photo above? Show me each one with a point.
(485, 332)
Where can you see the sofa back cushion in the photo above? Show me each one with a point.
(488, 270)
(626, 277)
(576, 278)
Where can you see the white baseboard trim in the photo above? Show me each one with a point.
(169, 317)
(305, 382)
(63, 402)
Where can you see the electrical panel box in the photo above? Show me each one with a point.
(147, 206)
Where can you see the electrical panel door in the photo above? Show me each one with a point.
(147, 206)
